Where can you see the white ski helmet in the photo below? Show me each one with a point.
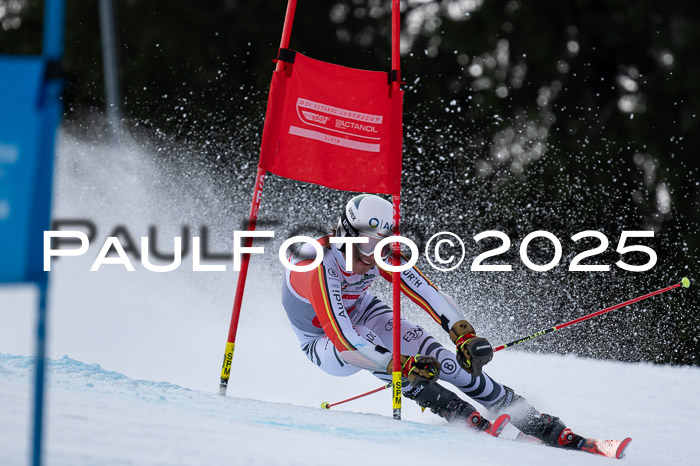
(370, 216)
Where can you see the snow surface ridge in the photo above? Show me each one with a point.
(71, 375)
(97, 416)
(103, 417)
(71, 368)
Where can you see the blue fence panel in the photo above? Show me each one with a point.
(29, 114)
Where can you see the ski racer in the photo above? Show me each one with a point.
(343, 328)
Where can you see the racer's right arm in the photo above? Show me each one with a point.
(322, 288)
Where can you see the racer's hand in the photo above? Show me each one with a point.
(418, 368)
(472, 352)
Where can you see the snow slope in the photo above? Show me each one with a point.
(102, 417)
(172, 327)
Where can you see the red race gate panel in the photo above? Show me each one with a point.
(334, 126)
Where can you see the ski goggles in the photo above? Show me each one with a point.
(367, 249)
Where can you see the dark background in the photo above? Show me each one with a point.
(520, 116)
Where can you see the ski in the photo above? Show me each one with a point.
(608, 448)
(498, 425)
(527, 439)
(567, 441)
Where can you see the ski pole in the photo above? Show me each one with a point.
(326, 405)
(685, 283)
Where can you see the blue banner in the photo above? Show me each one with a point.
(30, 111)
(29, 115)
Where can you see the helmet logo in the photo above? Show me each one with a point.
(376, 223)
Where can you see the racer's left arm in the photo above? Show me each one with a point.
(472, 352)
(421, 291)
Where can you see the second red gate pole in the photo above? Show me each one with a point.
(252, 220)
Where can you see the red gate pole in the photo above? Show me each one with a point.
(252, 220)
(396, 316)
(287, 30)
(396, 276)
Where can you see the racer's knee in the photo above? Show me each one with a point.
(322, 353)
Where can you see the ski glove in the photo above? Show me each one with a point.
(472, 352)
(418, 369)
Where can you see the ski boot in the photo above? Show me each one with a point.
(458, 410)
(544, 427)
(551, 431)
(453, 409)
